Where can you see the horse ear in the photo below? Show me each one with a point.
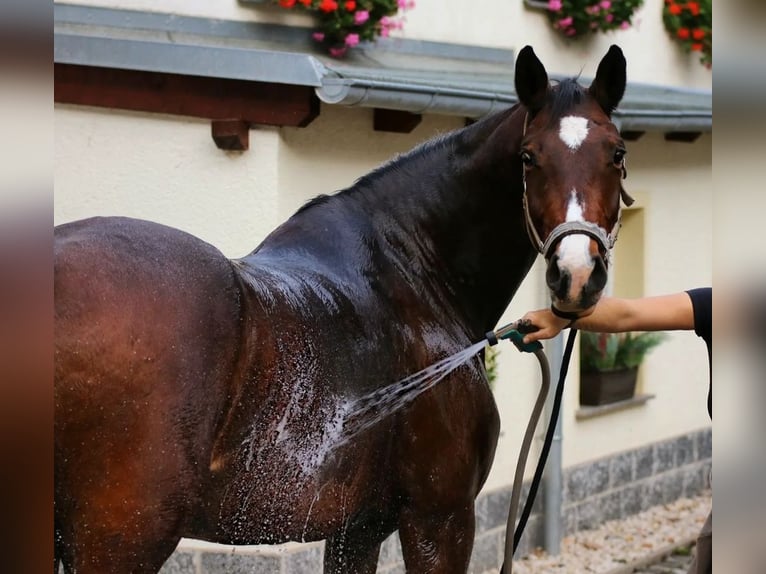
(531, 80)
(609, 85)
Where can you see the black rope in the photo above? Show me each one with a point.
(533, 488)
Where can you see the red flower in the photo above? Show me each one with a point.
(693, 7)
(350, 5)
(287, 3)
(683, 33)
(698, 34)
(306, 3)
(675, 9)
(697, 47)
(328, 6)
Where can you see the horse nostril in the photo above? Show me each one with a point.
(598, 276)
(557, 280)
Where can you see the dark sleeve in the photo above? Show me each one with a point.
(702, 303)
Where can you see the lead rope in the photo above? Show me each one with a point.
(512, 541)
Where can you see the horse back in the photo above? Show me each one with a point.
(147, 330)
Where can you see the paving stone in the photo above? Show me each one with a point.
(631, 500)
(589, 515)
(611, 507)
(305, 560)
(644, 462)
(487, 550)
(226, 563)
(179, 563)
(492, 510)
(622, 469)
(693, 481)
(664, 455)
(685, 450)
(704, 445)
(390, 551)
(587, 480)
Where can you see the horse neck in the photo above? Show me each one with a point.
(456, 219)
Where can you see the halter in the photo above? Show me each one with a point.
(605, 240)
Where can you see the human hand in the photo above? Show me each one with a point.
(541, 324)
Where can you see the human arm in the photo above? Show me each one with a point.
(618, 315)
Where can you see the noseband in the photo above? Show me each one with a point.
(605, 240)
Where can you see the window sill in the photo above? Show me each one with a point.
(584, 413)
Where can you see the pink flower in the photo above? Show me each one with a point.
(318, 36)
(361, 17)
(595, 9)
(352, 40)
(410, 4)
(625, 25)
(565, 22)
(338, 52)
(570, 32)
(385, 32)
(609, 17)
(401, 3)
(554, 5)
(605, 4)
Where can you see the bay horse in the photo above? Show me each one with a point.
(199, 396)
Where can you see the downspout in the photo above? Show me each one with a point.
(552, 479)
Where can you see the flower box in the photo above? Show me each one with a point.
(605, 387)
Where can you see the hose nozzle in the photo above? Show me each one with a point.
(515, 331)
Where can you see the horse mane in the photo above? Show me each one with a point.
(413, 159)
(394, 166)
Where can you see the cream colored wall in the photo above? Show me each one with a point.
(166, 169)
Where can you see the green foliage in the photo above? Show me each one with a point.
(490, 364)
(575, 18)
(613, 351)
(691, 25)
(342, 24)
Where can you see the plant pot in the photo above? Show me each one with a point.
(604, 387)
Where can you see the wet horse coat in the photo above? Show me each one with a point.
(200, 396)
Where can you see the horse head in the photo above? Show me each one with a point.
(574, 163)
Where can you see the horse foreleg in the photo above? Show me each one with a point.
(354, 550)
(435, 541)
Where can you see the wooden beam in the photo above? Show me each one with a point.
(631, 136)
(231, 135)
(195, 96)
(395, 121)
(687, 137)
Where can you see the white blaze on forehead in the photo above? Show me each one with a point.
(573, 251)
(573, 130)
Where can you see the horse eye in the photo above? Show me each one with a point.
(527, 159)
(619, 156)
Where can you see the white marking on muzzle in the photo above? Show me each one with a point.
(574, 250)
(573, 130)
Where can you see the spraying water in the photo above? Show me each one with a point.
(370, 409)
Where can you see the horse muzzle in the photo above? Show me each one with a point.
(574, 289)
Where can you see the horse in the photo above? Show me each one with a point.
(200, 396)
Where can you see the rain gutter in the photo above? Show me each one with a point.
(422, 99)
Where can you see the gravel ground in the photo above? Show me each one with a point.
(617, 544)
